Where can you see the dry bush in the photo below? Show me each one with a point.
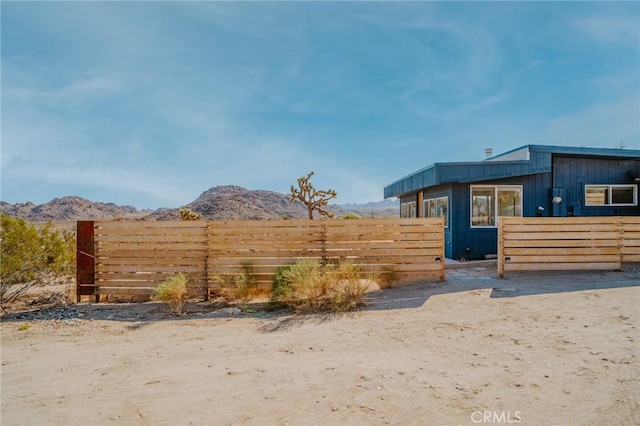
(387, 277)
(173, 291)
(308, 286)
(301, 286)
(239, 288)
(348, 286)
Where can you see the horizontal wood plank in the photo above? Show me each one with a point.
(593, 227)
(562, 266)
(562, 235)
(560, 243)
(561, 251)
(581, 258)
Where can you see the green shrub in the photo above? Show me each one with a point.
(309, 286)
(280, 286)
(29, 254)
(174, 291)
(352, 216)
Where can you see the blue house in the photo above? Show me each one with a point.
(533, 180)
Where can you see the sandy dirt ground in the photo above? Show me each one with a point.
(534, 348)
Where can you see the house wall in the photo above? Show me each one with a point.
(571, 174)
(443, 191)
(463, 241)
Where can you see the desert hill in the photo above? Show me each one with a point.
(69, 208)
(217, 203)
(234, 202)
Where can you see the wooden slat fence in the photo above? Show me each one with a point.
(567, 243)
(630, 238)
(133, 257)
(413, 248)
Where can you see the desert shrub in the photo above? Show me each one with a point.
(280, 285)
(239, 288)
(300, 285)
(388, 276)
(29, 255)
(351, 216)
(309, 286)
(348, 286)
(174, 291)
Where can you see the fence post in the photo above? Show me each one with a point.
(209, 233)
(500, 247)
(443, 260)
(85, 259)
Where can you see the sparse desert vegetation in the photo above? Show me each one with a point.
(174, 291)
(30, 255)
(310, 286)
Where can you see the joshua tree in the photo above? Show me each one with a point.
(312, 198)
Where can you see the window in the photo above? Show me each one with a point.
(408, 210)
(437, 207)
(487, 202)
(611, 195)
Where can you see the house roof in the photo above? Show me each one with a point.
(526, 160)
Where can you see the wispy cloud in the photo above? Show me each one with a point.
(618, 28)
(161, 100)
(602, 125)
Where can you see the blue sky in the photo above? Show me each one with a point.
(151, 103)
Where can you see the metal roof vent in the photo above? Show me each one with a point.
(488, 152)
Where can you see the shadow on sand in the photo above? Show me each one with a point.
(514, 285)
(459, 279)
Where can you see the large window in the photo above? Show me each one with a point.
(408, 210)
(437, 207)
(611, 195)
(490, 202)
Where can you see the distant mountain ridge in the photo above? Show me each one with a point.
(69, 208)
(227, 202)
(237, 203)
(372, 205)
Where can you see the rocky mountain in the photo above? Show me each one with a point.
(217, 203)
(69, 208)
(234, 202)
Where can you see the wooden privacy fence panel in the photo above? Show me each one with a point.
(630, 238)
(261, 246)
(133, 257)
(567, 243)
(412, 248)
